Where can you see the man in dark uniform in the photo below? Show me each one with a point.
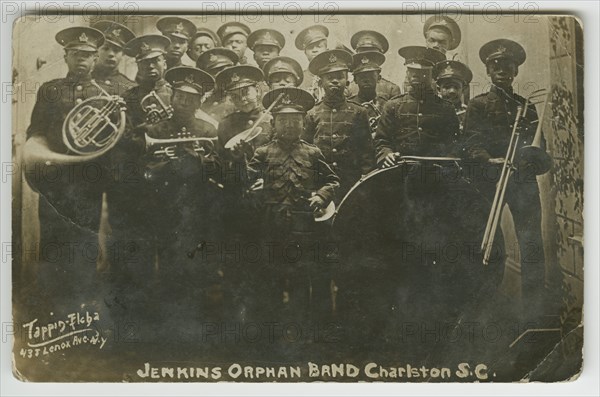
(266, 45)
(292, 182)
(184, 194)
(313, 41)
(149, 52)
(129, 219)
(216, 103)
(338, 127)
(283, 72)
(241, 84)
(417, 123)
(452, 79)
(366, 68)
(488, 129)
(69, 203)
(234, 35)
(179, 31)
(106, 72)
(240, 219)
(441, 33)
(368, 40)
(204, 40)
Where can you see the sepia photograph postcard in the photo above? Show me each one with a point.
(289, 195)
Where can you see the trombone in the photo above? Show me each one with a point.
(536, 97)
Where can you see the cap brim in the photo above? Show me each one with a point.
(152, 54)
(117, 44)
(367, 69)
(241, 84)
(81, 47)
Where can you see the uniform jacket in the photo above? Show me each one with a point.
(490, 118)
(341, 131)
(415, 125)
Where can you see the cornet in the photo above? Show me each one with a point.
(169, 147)
(154, 107)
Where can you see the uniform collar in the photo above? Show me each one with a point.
(74, 78)
(500, 91)
(102, 73)
(334, 102)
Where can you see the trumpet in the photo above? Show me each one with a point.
(169, 147)
(155, 108)
(507, 169)
(95, 125)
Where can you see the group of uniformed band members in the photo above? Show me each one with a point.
(321, 135)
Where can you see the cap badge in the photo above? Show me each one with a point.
(179, 27)
(189, 79)
(213, 58)
(83, 38)
(448, 70)
(285, 100)
(501, 48)
(332, 58)
(116, 32)
(267, 36)
(278, 66)
(235, 78)
(144, 47)
(364, 61)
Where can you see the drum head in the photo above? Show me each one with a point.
(418, 226)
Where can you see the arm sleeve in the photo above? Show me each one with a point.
(310, 128)
(364, 141)
(385, 129)
(328, 180)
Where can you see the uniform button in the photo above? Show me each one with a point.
(215, 103)
(334, 164)
(108, 82)
(79, 88)
(334, 150)
(334, 135)
(511, 126)
(334, 110)
(78, 100)
(250, 122)
(420, 129)
(420, 114)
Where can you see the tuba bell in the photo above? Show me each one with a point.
(89, 130)
(155, 108)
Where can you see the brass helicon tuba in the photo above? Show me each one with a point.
(95, 125)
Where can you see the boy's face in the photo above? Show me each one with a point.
(334, 83)
(245, 99)
(199, 46)
(314, 49)
(438, 38)
(367, 80)
(109, 55)
(236, 43)
(502, 71)
(79, 62)
(264, 53)
(185, 103)
(177, 48)
(152, 68)
(451, 90)
(282, 79)
(288, 126)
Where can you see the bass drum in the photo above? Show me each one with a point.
(409, 241)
